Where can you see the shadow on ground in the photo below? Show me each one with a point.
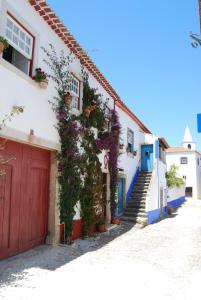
(53, 257)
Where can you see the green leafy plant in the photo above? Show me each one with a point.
(5, 42)
(92, 201)
(40, 75)
(172, 178)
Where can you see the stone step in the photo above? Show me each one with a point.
(135, 214)
(142, 221)
(137, 198)
(135, 209)
(139, 194)
(143, 181)
(145, 173)
(141, 185)
(134, 200)
(141, 189)
(136, 206)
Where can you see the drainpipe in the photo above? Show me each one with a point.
(115, 104)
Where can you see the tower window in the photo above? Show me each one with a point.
(189, 146)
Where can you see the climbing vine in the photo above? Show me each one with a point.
(69, 157)
(79, 167)
(110, 141)
(93, 121)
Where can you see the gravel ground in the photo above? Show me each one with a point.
(161, 261)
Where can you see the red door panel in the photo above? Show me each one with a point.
(23, 198)
(5, 203)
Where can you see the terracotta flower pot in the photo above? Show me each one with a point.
(115, 221)
(2, 47)
(43, 84)
(67, 100)
(61, 231)
(170, 210)
(102, 228)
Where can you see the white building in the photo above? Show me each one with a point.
(29, 212)
(188, 161)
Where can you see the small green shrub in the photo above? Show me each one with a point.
(172, 178)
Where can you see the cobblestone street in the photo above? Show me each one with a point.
(161, 261)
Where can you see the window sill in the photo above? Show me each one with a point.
(16, 71)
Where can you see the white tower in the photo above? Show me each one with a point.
(188, 140)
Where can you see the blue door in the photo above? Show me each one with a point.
(147, 158)
(120, 195)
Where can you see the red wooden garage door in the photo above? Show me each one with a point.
(23, 198)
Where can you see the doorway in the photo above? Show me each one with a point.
(147, 158)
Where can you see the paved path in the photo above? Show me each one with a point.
(161, 261)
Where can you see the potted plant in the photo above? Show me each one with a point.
(170, 209)
(88, 110)
(41, 78)
(101, 227)
(67, 100)
(115, 221)
(3, 44)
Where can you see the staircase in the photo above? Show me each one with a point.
(135, 211)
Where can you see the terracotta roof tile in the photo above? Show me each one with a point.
(177, 149)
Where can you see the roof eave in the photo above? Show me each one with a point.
(49, 16)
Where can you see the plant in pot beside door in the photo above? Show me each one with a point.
(3, 44)
(41, 78)
(101, 227)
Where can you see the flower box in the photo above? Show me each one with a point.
(3, 44)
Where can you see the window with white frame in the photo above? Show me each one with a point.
(20, 50)
(75, 92)
(130, 140)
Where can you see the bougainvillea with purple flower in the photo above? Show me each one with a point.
(111, 142)
(69, 158)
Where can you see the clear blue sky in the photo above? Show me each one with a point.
(145, 53)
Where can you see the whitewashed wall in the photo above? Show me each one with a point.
(20, 89)
(128, 162)
(192, 171)
(176, 193)
(158, 179)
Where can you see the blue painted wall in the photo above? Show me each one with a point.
(132, 185)
(177, 202)
(153, 216)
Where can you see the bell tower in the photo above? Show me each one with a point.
(188, 140)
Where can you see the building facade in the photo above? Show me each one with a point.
(188, 161)
(29, 212)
